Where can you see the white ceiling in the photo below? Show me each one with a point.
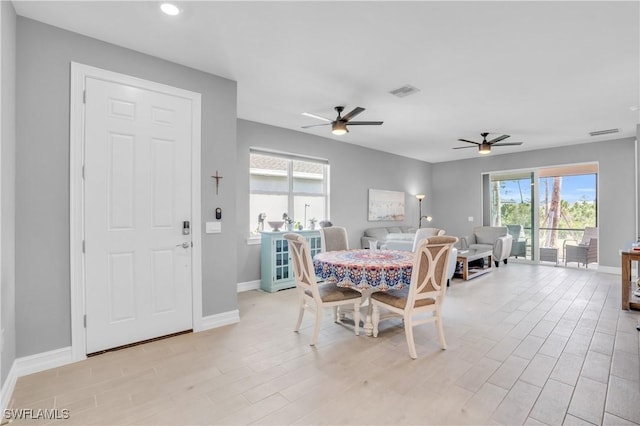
(547, 73)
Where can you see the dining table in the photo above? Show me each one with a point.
(366, 271)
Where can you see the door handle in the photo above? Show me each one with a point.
(184, 245)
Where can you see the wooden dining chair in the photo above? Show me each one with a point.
(334, 238)
(314, 296)
(425, 293)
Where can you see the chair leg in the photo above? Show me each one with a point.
(505, 261)
(336, 315)
(408, 331)
(443, 342)
(497, 262)
(375, 319)
(300, 314)
(356, 317)
(316, 330)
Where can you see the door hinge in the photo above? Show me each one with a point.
(84, 96)
(83, 245)
(85, 320)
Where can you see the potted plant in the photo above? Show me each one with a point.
(288, 221)
(312, 223)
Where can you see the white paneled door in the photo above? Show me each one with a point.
(137, 196)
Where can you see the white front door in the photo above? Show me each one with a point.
(137, 195)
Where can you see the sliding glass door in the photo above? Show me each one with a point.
(568, 205)
(545, 220)
(512, 205)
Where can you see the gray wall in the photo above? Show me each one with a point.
(354, 170)
(637, 157)
(458, 194)
(7, 202)
(44, 54)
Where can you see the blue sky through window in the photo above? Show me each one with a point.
(574, 188)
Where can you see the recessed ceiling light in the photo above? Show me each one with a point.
(170, 9)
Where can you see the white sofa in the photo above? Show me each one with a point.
(380, 234)
(408, 242)
(494, 238)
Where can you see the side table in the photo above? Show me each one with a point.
(629, 301)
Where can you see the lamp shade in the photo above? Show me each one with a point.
(420, 197)
(484, 148)
(339, 128)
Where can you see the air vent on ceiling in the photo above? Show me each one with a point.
(604, 132)
(405, 90)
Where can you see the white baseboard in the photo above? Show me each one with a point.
(43, 361)
(248, 285)
(7, 388)
(610, 269)
(219, 320)
(29, 365)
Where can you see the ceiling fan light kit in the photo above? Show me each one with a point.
(484, 149)
(339, 128)
(339, 125)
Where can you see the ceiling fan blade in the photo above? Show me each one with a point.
(353, 113)
(463, 147)
(498, 139)
(319, 117)
(506, 143)
(316, 125)
(464, 140)
(365, 123)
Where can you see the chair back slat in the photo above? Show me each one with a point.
(302, 264)
(429, 274)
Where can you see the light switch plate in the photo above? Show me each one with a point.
(213, 227)
(470, 218)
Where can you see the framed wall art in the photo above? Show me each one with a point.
(386, 205)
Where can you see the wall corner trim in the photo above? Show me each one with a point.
(248, 285)
(7, 387)
(219, 320)
(32, 364)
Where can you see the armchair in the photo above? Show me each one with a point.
(495, 238)
(586, 251)
(519, 244)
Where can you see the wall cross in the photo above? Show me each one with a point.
(217, 177)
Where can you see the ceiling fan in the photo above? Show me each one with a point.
(339, 125)
(484, 147)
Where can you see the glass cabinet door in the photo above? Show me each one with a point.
(281, 253)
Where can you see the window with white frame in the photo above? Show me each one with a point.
(284, 183)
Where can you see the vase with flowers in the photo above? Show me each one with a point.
(287, 221)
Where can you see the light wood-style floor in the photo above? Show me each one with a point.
(527, 344)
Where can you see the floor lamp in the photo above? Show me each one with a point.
(420, 197)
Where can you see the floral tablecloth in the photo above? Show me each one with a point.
(365, 269)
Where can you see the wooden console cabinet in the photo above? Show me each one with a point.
(629, 301)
